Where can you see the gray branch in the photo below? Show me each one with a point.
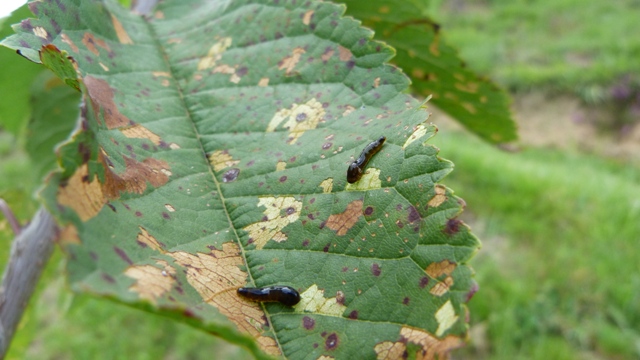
(30, 251)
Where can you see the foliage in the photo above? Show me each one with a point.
(222, 159)
(435, 68)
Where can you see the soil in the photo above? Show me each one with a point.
(564, 122)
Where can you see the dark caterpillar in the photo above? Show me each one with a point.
(285, 295)
(356, 169)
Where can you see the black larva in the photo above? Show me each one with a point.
(285, 295)
(356, 169)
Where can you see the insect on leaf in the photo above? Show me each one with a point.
(211, 155)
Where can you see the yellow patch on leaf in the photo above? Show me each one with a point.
(40, 32)
(281, 165)
(389, 350)
(446, 317)
(148, 240)
(220, 159)
(341, 223)
(306, 19)
(226, 69)
(469, 107)
(442, 287)
(123, 37)
(86, 195)
(437, 269)
(91, 41)
(419, 132)
(69, 235)
(432, 347)
(140, 132)
(216, 276)
(214, 54)
(313, 300)
(344, 54)
(300, 118)
(326, 185)
(83, 196)
(439, 197)
(279, 212)
(151, 282)
(289, 62)
(470, 87)
(370, 180)
(67, 40)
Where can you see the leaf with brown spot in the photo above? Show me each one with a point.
(218, 160)
(436, 69)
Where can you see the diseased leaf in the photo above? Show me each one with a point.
(435, 68)
(212, 154)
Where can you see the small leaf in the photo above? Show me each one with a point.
(435, 68)
(211, 154)
(54, 113)
(15, 80)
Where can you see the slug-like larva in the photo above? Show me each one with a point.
(285, 295)
(356, 169)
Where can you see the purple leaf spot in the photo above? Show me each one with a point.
(368, 211)
(326, 145)
(375, 269)
(108, 278)
(138, 214)
(453, 226)
(353, 314)
(283, 178)
(331, 342)
(230, 175)
(122, 255)
(424, 282)
(308, 323)
(414, 215)
(405, 301)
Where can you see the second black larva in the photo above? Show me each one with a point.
(356, 169)
(285, 295)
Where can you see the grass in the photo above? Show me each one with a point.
(559, 270)
(569, 45)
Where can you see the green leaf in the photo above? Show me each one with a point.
(54, 112)
(15, 80)
(212, 154)
(435, 68)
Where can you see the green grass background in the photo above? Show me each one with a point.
(559, 271)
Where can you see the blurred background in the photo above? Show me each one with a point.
(558, 212)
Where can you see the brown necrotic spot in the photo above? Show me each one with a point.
(452, 226)
(375, 269)
(122, 255)
(230, 175)
(332, 341)
(368, 210)
(326, 248)
(326, 145)
(414, 215)
(110, 205)
(424, 282)
(308, 323)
